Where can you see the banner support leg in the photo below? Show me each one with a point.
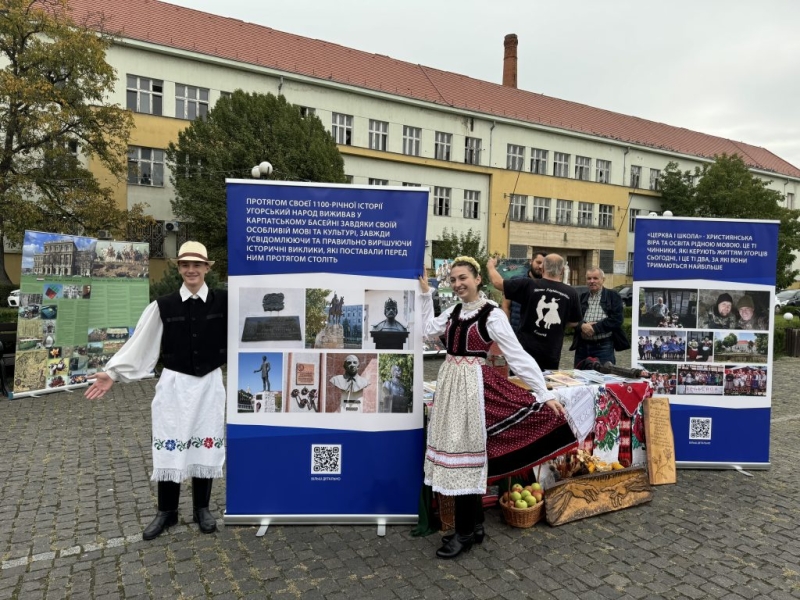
(262, 530)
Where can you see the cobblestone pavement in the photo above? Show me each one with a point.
(75, 496)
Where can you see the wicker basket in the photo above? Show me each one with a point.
(447, 511)
(522, 517)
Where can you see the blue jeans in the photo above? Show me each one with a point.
(602, 350)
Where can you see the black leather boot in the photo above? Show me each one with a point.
(201, 497)
(478, 531)
(169, 494)
(479, 534)
(457, 544)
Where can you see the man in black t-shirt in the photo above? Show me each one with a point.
(548, 308)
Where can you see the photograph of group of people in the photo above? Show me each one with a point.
(704, 309)
(704, 341)
(325, 382)
(345, 318)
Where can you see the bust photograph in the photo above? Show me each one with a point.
(350, 383)
(389, 316)
(397, 381)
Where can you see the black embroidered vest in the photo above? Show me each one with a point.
(195, 332)
(468, 337)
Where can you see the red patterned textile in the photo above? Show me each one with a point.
(628, 396)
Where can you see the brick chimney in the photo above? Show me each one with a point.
(510, 60)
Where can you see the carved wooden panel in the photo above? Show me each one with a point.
(660, 441)
(589, 495)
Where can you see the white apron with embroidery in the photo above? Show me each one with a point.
(188, 412)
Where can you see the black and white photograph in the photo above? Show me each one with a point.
(271, 318)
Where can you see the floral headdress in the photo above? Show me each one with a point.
(469, 260)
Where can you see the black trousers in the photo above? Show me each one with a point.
(468, 513)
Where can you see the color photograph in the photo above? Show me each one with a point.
(260, 382)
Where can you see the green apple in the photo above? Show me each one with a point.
(536, 486)
(525, 494)
(521, 504)
(531, 500)
(515, 496)
(517, 487)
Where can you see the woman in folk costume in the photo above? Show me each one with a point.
(482, 426)
(188, 330)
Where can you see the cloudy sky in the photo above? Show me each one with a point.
(725, 67)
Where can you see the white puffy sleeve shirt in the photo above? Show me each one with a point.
(500, 331)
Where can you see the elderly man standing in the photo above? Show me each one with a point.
(548, 308)
(600, 331)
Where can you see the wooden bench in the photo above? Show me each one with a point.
(8, 348)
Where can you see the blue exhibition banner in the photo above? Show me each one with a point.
(705, 290)
(722, 250)
(298, 228)
(325, 412)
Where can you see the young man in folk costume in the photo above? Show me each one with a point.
(188, 331)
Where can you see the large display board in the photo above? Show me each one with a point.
(703, 327)
(325, 420)
(80, 299)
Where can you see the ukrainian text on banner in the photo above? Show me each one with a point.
(79, 301)
(703, 329)
(325, 419)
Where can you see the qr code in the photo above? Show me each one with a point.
(699, 428)
(326, 459)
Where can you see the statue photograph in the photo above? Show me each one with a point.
(397, 380)
(392, 331)
(350, 387)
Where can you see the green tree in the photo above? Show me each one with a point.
(729, 341)
(53, 109)
(241, 131)
(762, 343)
(727, 189)
(452, 244)
(172, 281)
(316, 317)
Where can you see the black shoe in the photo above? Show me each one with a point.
(456, 545)
(204, 518)
(479, 534)
(164, 520)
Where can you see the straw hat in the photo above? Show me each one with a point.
(193, 251)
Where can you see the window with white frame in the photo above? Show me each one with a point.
(636, 176)
(472, 204)
(228, 95)
(602, 170)
(564, 212)
(632, 214)
(409, 184)
(191, 102)
(538, 161)
(342, 129)
(411, 138)
(583, 165)
(373, 181)
(605, 218)
(518, 205)
(348, 179)
(560, 164)
(443, 143)
(790, 201)
(378, 134)
(441, 201)
(630, 263)
(307, 111)
(655, 182)
(585, 213)
(541, 209)
(145, 95)
(472, 151)
(145, 166)
(515, 157)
